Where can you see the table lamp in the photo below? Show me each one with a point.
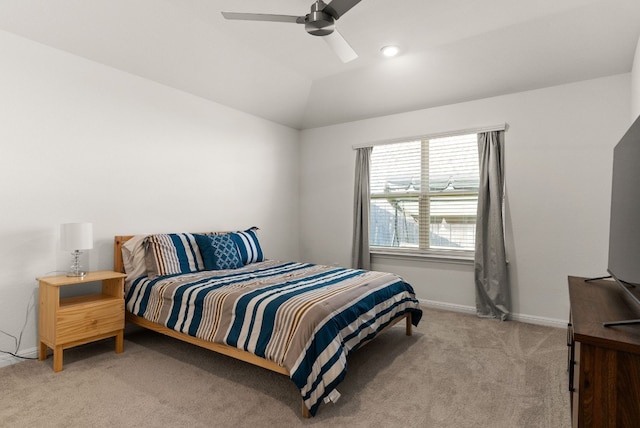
(76, 237)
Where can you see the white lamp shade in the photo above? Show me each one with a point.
(76, 236)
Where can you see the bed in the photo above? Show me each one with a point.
(297, 319)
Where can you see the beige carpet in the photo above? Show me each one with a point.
(455, 371)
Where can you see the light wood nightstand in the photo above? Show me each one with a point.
(65, 323)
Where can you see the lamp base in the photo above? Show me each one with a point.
(75, 267)
(76, 274)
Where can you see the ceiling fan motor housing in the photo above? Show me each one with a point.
(319, 23)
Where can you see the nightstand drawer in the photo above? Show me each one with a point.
(81, 318)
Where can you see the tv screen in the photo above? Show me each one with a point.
(624, 229)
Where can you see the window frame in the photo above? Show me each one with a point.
(440, 254)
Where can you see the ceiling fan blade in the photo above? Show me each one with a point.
(337, 8)
(340, 46)
(264, 17)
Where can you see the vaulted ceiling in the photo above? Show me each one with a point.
(451, 50)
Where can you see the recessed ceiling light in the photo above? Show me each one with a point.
(390, 51)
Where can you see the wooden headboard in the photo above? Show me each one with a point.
(118, 241)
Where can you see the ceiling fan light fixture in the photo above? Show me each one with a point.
(390, 51)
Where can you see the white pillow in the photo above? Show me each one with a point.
(133, 257)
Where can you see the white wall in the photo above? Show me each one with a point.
(558, 173)
(635, 84)
(84, 142)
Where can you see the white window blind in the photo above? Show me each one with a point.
(424, 194)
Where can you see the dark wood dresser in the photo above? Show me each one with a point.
(604, 362)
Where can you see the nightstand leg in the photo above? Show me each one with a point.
(57, 359)
(42, 352)
(120, 342)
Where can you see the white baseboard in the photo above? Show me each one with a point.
(7, 360)
(447, 306)
(529, 319)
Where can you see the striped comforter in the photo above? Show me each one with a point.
(304, 317)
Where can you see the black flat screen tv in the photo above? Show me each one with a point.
(624, 227)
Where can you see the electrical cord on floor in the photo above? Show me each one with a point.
(18, 340)
(22, 357)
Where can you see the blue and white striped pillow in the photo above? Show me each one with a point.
(173, 253)
(248, 246)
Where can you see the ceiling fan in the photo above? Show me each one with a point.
(319, 22)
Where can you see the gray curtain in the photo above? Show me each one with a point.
(491, 279)
(360, 256)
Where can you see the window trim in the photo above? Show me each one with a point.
(423, 201)
(434, 255)
(442, 256)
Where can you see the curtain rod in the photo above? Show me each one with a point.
(501, 127)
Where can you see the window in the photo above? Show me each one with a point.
(424, 195)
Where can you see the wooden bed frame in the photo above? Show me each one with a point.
(118, 265)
